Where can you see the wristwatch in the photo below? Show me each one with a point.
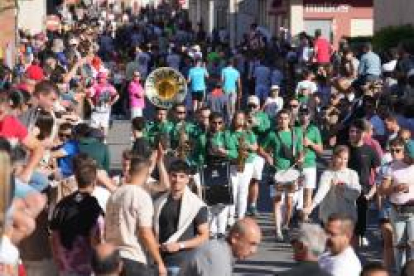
(181, 245)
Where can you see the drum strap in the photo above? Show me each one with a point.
(293, 149)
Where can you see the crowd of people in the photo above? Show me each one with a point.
(327, 130)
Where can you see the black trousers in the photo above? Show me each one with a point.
(362, 209)
(134, 268)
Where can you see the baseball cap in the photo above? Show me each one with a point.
(274, 87)
(253, 100)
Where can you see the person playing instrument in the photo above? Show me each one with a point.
(259, 123)
(338, 190)
(312, 144)
(159, 127)
(241, 187)
(286, 145)
(180, 219)
(220, 147)
(180, 114)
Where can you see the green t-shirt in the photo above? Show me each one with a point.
(262, 125)
(274, 142)
(224, 139)
(313, 134)
(154, 129)
(250, 139)
(198, 153)
(190, 130)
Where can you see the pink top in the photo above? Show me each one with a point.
(136, 95)
(323, 54)
(102, 93)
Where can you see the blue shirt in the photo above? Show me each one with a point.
(197, 76)
(65, 163)
(370, 64)
(230, 76)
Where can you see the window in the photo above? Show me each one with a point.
(362, 27)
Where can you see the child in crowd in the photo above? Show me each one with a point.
(273, 103)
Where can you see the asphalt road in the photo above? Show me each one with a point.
(271, 257)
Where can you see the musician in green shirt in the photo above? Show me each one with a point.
(286, 149)
(220, 148)
(312, 144)
(259, 122)
(200, 136)
(180, 114)
(159, 128)
(246, 147)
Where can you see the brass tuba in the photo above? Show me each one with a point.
(165, 87)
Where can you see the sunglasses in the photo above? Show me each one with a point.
(64, 135)
(217, 123)
(251, 106)
(180, 112)
(294, 105)
(396, 150)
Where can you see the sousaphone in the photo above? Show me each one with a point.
(165, 87)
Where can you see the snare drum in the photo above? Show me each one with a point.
(215, 183)
(287, 180)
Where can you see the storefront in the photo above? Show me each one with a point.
(335, 18)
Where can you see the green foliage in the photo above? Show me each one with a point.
(392, 36)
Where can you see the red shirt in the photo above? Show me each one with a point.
(323, 54)
(11, 129)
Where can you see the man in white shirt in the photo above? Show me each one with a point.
(340, 259)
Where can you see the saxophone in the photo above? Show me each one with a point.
(183, 147)
(243, 153)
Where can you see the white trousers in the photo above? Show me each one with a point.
(241, 193)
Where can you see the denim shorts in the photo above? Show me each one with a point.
(384, 213)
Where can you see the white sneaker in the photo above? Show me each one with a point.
(279, 236)
(363, 241)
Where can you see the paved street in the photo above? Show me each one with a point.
(271, 257)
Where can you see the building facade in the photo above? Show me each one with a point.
(8, 31)
(393, 13)
(336, 18)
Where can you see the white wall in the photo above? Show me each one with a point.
(32, 15)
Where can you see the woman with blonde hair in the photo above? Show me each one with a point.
(339, 188)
